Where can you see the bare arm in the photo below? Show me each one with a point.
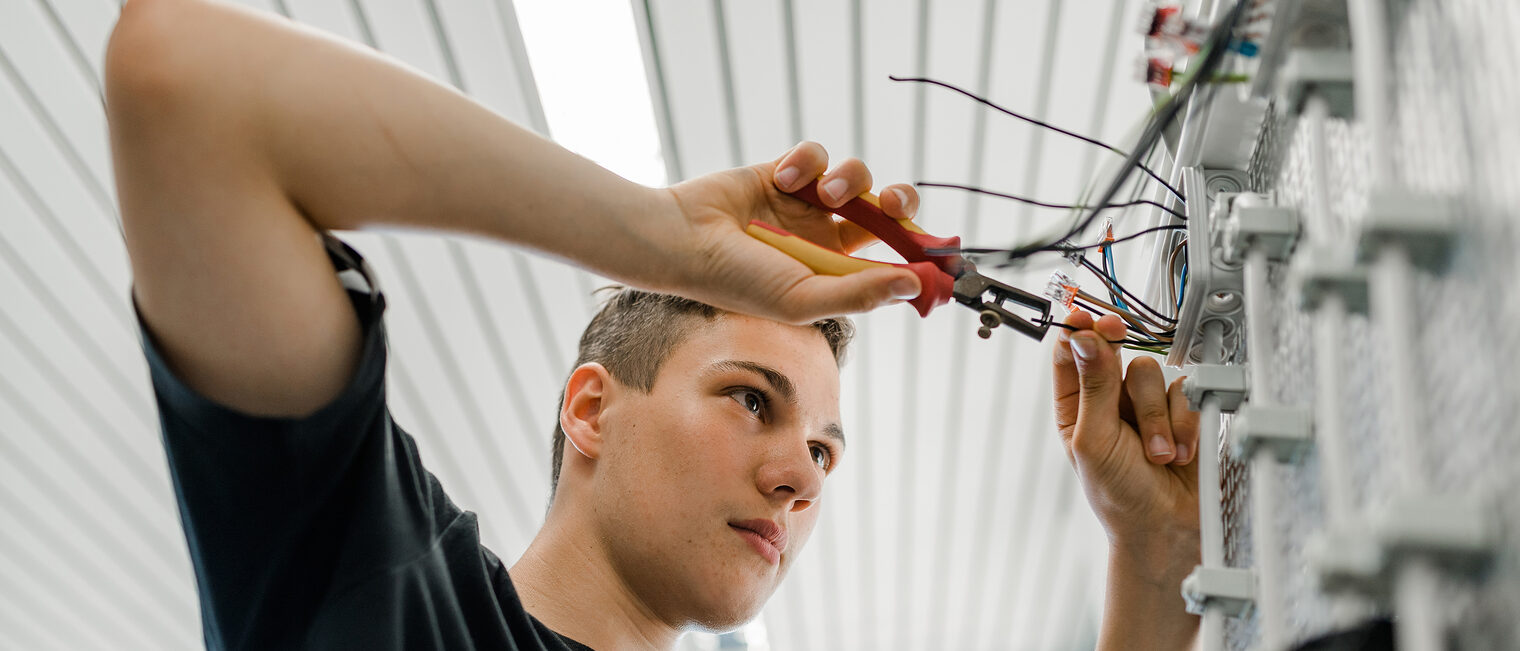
(237, 136)
(1133, 442)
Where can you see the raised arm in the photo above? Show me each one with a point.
(1133, 443)
(237, 136)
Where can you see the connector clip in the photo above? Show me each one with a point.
(1232, 590)
(1226, 382)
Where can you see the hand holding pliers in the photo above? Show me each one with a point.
(942, 271)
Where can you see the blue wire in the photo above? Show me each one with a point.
(1110, 268)
(1182, 289)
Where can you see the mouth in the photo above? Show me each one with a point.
(767, 538)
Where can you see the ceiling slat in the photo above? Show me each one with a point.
(960, 349)
(92, 183)
(159, 525)
(96, 278)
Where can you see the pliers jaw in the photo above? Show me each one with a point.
(990, 297)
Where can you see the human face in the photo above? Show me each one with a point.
(740, 429)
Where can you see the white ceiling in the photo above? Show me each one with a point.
(956, 522)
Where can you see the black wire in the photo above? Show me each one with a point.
(1042, 204)
(1218, 39)
(1063, 248)
(1115, 284)
(1093, 309)
(1078, 136)
(1073, 328)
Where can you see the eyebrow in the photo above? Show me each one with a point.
(781, 383)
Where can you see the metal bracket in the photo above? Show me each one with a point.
(1255, 223)
(1298, 25)
(1421, 223)
(1285, 431)
(1228, 383)
(1317, 71)
(1232, 590)
(1457, 533)
(1348, 561)
(1317, 279)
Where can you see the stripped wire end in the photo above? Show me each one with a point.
(1062, 289)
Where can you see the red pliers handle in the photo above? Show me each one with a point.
(943, 274)
(936, 271)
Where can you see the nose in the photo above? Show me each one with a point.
(789, 476)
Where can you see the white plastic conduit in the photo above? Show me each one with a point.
(1391, 285)
(1328, 330)
(1210, 499)
(1264, 467)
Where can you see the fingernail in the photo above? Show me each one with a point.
(1159, 448)
(786, 177)
(1084, 346)
(904, 288)
(834, 190)
(902, 199)
(1182, 453)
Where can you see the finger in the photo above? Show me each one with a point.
(1100, 383)
(1184, 424)
(900, 201)
(847, 181)
(818, 296)
(1112, 328)
(802, 163)
(1146, 388)
(1065, 379)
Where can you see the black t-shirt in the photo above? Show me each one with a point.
(327, 532)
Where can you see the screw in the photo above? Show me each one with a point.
(984, 332)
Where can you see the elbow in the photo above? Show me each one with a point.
(145, 62)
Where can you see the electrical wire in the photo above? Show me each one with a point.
(1114, 285)
(1010, 112)
(1211, 57)
(1042, 204)
(1066, 248)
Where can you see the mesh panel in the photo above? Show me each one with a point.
(1457, 86)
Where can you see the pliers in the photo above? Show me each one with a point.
(942, 271)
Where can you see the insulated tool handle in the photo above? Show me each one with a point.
(905, 237)
(936, 285)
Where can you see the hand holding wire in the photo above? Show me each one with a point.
(1130, 436)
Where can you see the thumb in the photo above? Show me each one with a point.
(1101, 383)
(818, 296)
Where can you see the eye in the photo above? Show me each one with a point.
(823, 456)
(753, 400)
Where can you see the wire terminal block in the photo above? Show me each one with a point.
(1286, 432)
(1226, 382)
(1231, 590)
(1062, 288)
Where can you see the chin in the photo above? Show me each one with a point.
(728, 621)
(730, 609)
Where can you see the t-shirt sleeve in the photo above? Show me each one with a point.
(280, 512)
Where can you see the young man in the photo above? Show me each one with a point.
(696, 440)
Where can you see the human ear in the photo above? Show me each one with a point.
(580, 412)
